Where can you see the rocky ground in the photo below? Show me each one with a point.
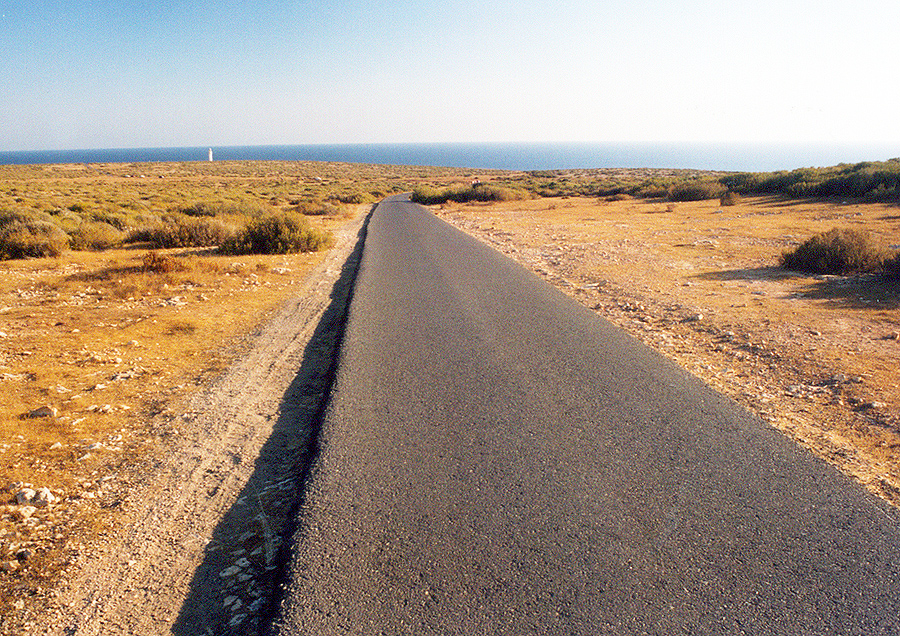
(195, 545)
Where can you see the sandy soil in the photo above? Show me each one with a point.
(816, 356)
(198, 548)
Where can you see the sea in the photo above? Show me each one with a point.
(750, 157)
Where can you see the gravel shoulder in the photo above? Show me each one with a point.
(197, 544)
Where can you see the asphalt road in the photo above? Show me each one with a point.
(497, 459)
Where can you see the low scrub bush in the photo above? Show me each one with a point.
(316, 208)
(116, 219)
(32, 239)
(223, 208)
(283, 233)
(96, 236)
(697, 191)
(159, 263)
(729, 198)
(184, 232)
(868, 180)
(837, 251)
(26, 234)
(464, 194)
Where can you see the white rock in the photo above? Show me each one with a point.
(25, 496)
(43, 497)
(26, 512)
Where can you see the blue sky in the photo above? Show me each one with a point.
(101, 74)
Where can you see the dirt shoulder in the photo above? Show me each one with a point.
(195, 544)
(816, 356)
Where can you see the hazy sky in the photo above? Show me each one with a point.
(100, 74)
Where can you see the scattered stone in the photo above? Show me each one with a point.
(56, 445)
(25, 496)
(26, 512)
(230, 571)
(43, 498)
(280, 270)
(9, 566)
(44, 411)
(693, 318)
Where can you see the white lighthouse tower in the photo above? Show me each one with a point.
(210, 154)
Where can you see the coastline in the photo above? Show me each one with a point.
(724, 156)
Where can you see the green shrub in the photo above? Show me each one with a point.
(184, 232)
(283, 233)
(427, 195)
(869, 180)
(837, 251)
(96, 236)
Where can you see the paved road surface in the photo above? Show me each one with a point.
(498, 460)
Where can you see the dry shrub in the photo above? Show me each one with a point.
(283, 233)
(698, 190)
(316, 208)
(24, 235)
(185, 232)
(96, 236)
(730, 198)
(837, 251)
(159, 263)
(184, 326)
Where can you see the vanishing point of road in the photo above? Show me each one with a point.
(497, 459)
